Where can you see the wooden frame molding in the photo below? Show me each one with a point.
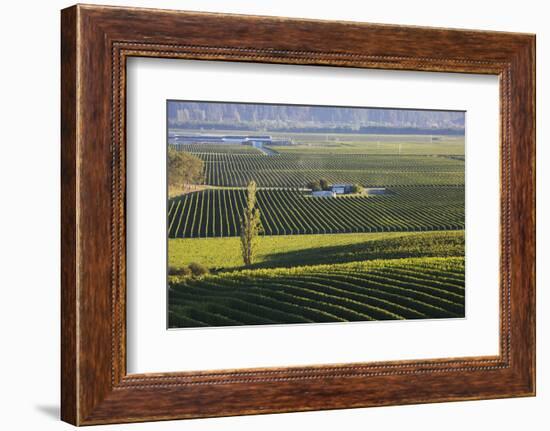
(95, 43)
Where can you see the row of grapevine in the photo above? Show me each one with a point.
(289, 171)
(237, 165)
(334, 161)
(377, 290)
(216, 148)
(217, 212)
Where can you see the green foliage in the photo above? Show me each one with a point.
(216, 213)
(223, 254)
(250, 225)
(200, 148)
(315, 186)
(371, 144)
(357, 188)
(198, 269)
(404, 258)
(183, 168)
(318, 185)
(193, 269)
(298, 169)
(183, 271)
(419, 288)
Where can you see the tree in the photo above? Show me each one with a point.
(182, 116)
(183, 169)
(324, 184)
(314, 186)
(357, 188)
(251, 225)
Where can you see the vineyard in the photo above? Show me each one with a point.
(217, 149)
(360, 291)
(359, 256)
(350, 143)
(217, 212)
(297, 169)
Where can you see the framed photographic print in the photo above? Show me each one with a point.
(319, 221)
(259, 217)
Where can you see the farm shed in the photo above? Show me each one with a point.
(341, 188)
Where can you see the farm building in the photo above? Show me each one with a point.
(246, 139)
(323, 194)
(341, 189)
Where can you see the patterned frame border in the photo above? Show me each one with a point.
(122, 50)
(96, 41)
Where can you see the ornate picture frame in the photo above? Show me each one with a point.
(96, 41)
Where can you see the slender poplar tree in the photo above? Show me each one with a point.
(251, 226)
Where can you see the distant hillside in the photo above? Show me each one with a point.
(308, 118)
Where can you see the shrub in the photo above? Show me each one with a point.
(198, 269)
(184, 270)
(357, 188)
(314, 186)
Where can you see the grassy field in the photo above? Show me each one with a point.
(354, 143)
(223, 254)
(399, 145)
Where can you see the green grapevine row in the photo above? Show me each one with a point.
(217, 212)
(204, 149)
(288, 170)
(376, 290)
